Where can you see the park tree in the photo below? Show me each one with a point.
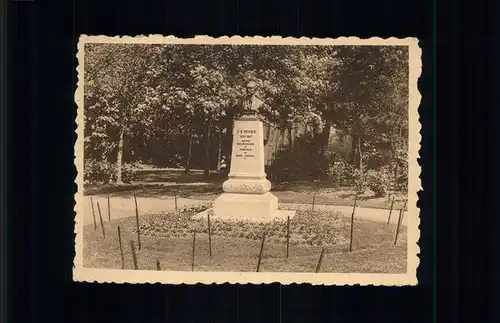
(185, 98)
(372, 96)
(372, 106)
(199, 91)
(116, 97)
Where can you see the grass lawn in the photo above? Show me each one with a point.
(235, 246)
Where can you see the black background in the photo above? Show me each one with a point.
(42, 79)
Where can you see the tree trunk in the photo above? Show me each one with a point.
(219, 154)
(360, 155)
(325, 138)
(190, 149)
(290, 139)
(206, 170)
(228, 141)
(393, 159)
(273, 145)
(119, 157)
(278, 144)
(354, 151)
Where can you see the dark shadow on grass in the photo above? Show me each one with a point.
(155, 183)
(360, 198)
(158, 190)
(175, 176)
(306, 186)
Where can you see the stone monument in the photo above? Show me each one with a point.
(247, 191)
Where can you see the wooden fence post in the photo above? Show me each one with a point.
(175, 200)
(137, 222)
(93, 212)
(261, 251)
(134, 255)
(352, 222)
(109, 210)
(320, 260)
(287, 236)
(209, 237)
(121, 248)
(397, 228)
(390, 211)
(194, 249)
(100, 218)
(404, 207)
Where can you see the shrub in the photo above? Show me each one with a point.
(378, 181)
(128, 172)
(400, 157)
(97, 172)
(402, 180)
(358, 177)
(302, 163)
(341, 171)
(374, 158)
(103, 172)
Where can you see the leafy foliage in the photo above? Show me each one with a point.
(102, 172)
(97, 172)
(401, 162)
(144, 103)
(296, 164)
(341, 172)
(378, 181)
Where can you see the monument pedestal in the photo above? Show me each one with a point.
(246, 193)
(246, 206)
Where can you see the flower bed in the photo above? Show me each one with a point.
(306, 227)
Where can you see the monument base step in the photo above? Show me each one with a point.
(240, 205)
(248, 207)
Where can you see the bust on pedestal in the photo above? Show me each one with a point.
(246, 192)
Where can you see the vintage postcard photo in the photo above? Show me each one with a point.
(247, 160)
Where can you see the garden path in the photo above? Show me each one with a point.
(124, 206)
